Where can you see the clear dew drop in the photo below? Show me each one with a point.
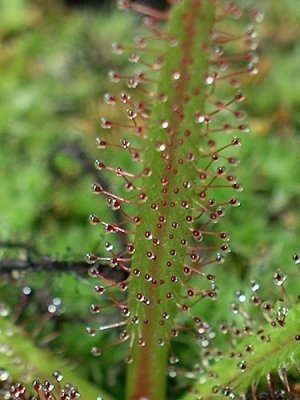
(140, 297)
(48, 386)
(219, 258)
(244, 128)
(117, 48)
(109, 99)
(241, 296)
(236, 186)
(163, 97)
(234, 308)
(210, 79)
(172, 371)
(74, 393)
(113, 262)
(96, 188)
(124, 142)
(131, 113)
(52, 309)
(123, 286)
(141, 342)
(282, 314)
(130, 248)
(93, 219)
(101, 144)
(268, 307)
(134, 57)
(57, 301)
(242, 366)
(148, 235)
(105, 123)
(160, 146)
(95, 309)
(234, 202)
(4, 310)
(156, 66)
(296, 259)
(125, 312)
(227, 392)
(279, 278)
(215, 389)
(135, 320)
(173, 359)
(165, 315)
(91, 331)
(108, 246)
(124, 336)
(164, 124)
(128, 359)
(96, 351)
(254, 286)
(132, 82)
(140, 41)
(27, 290)
(58, 376)
(114, 76)
(200, 118)
(99, 289)
(251, 67)
(91, 258)
(175, 75)
(37, 386)
(124, 98)
(224, 236)
(4, 375)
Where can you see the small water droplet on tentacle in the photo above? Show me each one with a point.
(279, 278)
(296, 259)
(96, 351)
(4, 375)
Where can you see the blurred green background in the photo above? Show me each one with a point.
(53, 66)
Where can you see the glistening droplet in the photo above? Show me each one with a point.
(4, 310)
(4, 375)
(279, 278)
(91, 259)
(296, 259)
(91, 331)
(58, 376)
(96, 351)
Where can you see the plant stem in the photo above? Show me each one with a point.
(154, 302)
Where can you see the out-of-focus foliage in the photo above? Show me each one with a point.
(53, 66)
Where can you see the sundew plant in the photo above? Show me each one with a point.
(167, 162)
